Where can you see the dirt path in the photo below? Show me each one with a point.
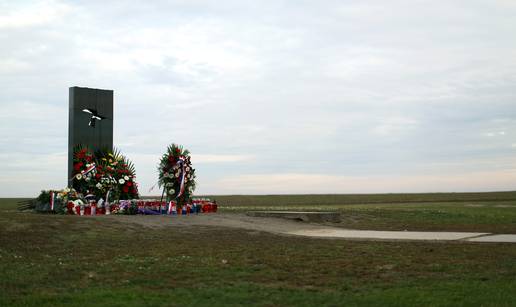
(233, 220)
(298, 228)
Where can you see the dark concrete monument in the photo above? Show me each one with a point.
(90, 121)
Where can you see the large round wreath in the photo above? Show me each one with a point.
(176, 175)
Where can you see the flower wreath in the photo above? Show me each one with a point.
(176, 175)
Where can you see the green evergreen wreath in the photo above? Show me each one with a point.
(176, 175)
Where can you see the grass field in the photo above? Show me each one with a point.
(49, 260)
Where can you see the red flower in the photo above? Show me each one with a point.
(77, 166)
(80, 154)
(129, 183)
(125, 189)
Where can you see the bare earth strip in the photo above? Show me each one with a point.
(289, 227)
(507, 238)
(387, 235)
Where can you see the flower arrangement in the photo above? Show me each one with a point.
(83, 169)
(69, 201)
(176, 175)
(104, 183)
(106, 175)
(53, 200)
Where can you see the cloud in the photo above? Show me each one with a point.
(395, 125)
(202, 159)
(491, 134)
(37, 14)
(358, 90)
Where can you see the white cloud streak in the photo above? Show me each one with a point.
(31, 15)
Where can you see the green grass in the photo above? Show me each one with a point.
(346, 199)
(52, 260)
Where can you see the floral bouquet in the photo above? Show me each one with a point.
(106, 175)
(176, 175)
(55, 201)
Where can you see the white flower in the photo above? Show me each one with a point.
(88, 178)
(121, 181)
(171, 176)
(99, 185)
(126, 178)
(78, 176)
(171, 191)
(187, 169)
(88, 165)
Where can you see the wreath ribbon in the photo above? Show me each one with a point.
(171, 207)
(51, 201)
(107, 197)
(183, 174)
(89, 169)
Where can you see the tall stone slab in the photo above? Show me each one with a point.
(98, 135)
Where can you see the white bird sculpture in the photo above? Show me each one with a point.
(94, 117)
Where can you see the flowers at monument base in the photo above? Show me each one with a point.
(176, 175)
(104, 174)
(69, 201)
(145, 207)
(104, 183)
(55, 200)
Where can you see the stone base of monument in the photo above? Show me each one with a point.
(305, 216)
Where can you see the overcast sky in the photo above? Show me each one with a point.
(269, 96)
